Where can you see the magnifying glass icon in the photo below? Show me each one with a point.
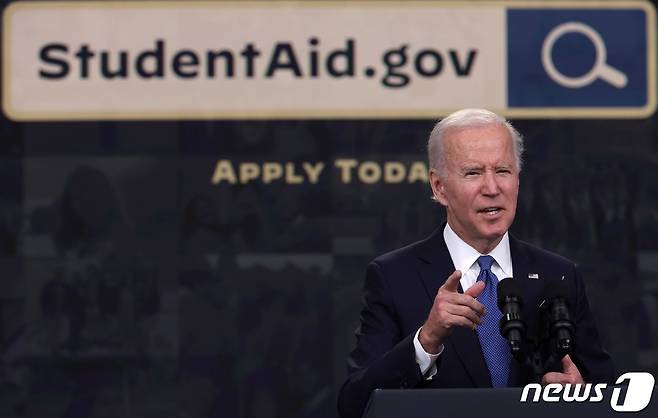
(600, 69)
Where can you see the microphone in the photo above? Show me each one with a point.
(557, 316)
(512, 327)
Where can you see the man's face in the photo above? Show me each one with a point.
(480, 185)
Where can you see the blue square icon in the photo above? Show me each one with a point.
(561, 58)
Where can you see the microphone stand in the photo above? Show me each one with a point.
(543, 354)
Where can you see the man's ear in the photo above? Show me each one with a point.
(437, 186)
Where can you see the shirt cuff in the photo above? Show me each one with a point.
(425, 360)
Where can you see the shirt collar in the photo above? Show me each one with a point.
(464, 256)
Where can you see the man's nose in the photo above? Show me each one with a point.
(490, 184)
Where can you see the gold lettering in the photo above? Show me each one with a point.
(394, 172)
(223, 172)
(369, 172)
(291, 176)
(313, 171)
(418, 172)
(248, 172)
(345, 166)
(272, 171)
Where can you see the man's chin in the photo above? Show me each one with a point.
(494, 234)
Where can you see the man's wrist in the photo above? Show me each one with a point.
(426, 361)
(431, 345)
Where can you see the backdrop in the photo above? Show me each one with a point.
(141, 277)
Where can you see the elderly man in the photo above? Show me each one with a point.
(429, 317)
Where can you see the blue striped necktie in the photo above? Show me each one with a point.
(494, 347)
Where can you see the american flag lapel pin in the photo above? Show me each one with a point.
(533, 276)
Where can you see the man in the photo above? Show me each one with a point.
(429, 317)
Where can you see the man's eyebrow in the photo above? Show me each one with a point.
(471, 167)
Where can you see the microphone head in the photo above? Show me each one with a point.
(555, 289)
(508, 288)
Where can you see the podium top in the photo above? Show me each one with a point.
(490, 403)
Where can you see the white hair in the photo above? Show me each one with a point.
(463, 119)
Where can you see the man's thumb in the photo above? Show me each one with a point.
(567, 363)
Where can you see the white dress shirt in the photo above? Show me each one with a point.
(464, 257)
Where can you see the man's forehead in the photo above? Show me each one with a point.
(473, 148)
(470, 133)
(467, 141)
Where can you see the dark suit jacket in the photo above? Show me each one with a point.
(399, 291)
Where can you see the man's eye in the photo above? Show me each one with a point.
(504, 171)
(471, 173)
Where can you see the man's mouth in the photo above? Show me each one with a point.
(493, 210)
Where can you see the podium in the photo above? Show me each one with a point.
(491, 403)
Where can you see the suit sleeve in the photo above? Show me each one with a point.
(383, 357)
(593, 362)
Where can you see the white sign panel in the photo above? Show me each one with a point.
(192, 60)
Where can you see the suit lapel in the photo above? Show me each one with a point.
(435, 265)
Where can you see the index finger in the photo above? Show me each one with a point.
(452, 282)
